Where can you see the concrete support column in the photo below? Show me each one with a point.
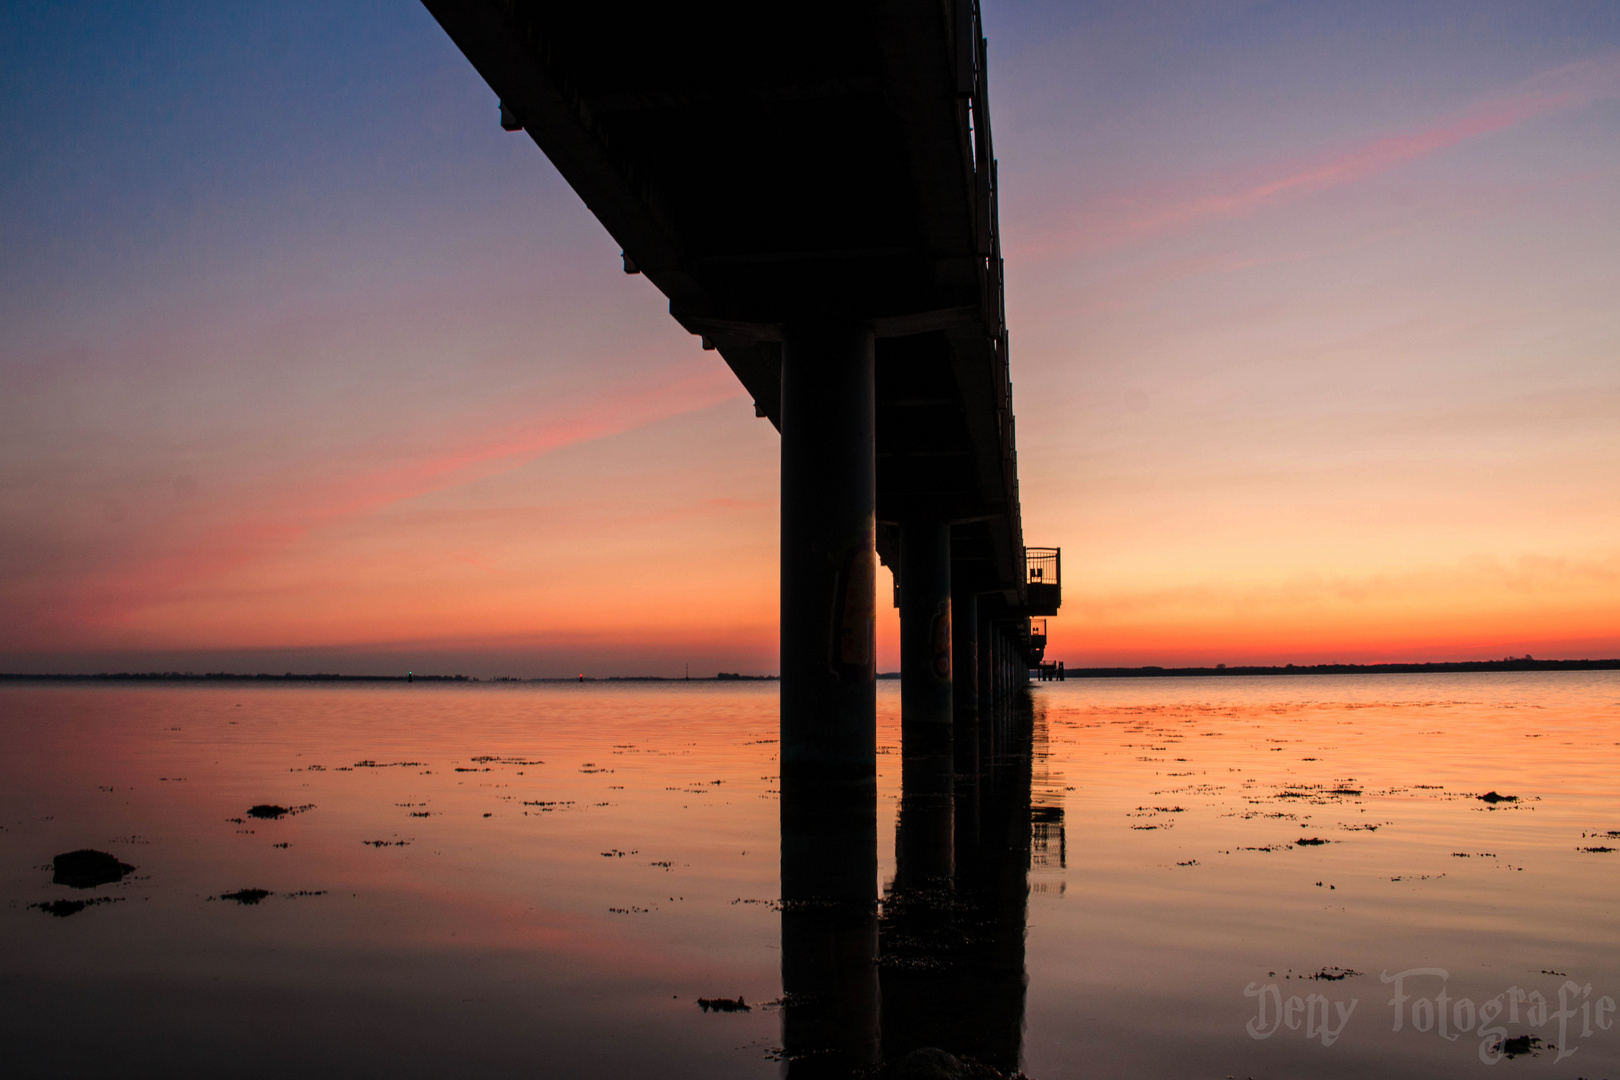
(995, 663)
(923, 848)
(925, 622)
(987, 665)
(998, 677)
(829, 555)
(828, 701)
(1000, 656)
(1001, 664)
(987, 669)
(964, 652)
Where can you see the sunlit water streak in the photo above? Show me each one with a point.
(612, 856)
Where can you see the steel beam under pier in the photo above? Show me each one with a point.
(828, 699)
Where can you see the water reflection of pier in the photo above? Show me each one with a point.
(939, 961)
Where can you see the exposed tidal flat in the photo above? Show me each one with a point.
(1185, 877)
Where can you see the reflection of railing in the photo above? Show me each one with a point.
(1047, 833)
(1043, 577)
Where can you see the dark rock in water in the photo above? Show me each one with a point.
(929, 1063)
(723, 1005)
(63, 908)
(270, 811)
(1493, 798)
(85, 869)
(1333, 974)
(1519, 1045)
(246, 896)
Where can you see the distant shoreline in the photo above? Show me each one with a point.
(226, 676)
(1148, 672)
(1427, 668)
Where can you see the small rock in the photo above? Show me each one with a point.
(1519, 1045)
(246, 896)
(85, 869)
(63, 908)
(723, 1004)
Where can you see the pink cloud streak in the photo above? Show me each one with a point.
(301, 507)
(1568, 87)
(621, 409)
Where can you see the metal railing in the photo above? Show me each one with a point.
(1043, 566)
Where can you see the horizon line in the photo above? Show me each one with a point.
(1511, 663)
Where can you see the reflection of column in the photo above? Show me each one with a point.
(918, 931)
(828, 703)
(992, 893)
(829, 931)
(953, 959)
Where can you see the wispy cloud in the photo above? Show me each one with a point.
(617, 409)
(1568, 87)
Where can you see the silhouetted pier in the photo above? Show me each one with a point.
(813, 187)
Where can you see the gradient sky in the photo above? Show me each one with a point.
(306, 365)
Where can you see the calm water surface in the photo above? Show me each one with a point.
(494, 880)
